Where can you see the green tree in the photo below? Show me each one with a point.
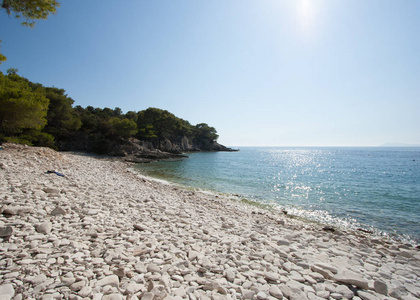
(62, 118)
(30, 10)
(162, 124)
(204, 134)
(21, 106)
(124, 128)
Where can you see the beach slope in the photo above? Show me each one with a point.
(94, 229)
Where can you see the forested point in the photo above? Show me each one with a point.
(44, 116)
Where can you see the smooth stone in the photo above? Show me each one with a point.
(366, 296)
(344, 291)
(113, 296)
(261, 296)
(326, 273)
(380, 287)
(16, 210)
(44, 228)
(141, 227)
(148, 296)
(68, 280)
(328, 267)
(133, 288)
(58, 211)
(275, 292)
(6, 291)
(153, 268)
(77, 286)
(38, 279)
(230, 275)
(111, 280)
(271, 276)
(6, 232)
(51, 191)
(352, 278)
(85, 291)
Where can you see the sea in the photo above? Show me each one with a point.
(371, 189)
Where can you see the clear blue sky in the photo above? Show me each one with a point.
(263, 73)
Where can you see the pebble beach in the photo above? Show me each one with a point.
(94, 228)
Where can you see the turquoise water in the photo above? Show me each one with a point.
(376, 189)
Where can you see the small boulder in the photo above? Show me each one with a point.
(6, 291)
(111, 280)
(44, 228)
(58, 211)
(275, 292)
(6, 232)
(380, 287)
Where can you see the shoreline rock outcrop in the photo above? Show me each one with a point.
(103, 231)
(134, 150)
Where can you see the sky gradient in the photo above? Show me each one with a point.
(263, 73)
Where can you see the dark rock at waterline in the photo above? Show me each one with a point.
(155, 155)
(329, 229)
(365, 230)
(147, 150)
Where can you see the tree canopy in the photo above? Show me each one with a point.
(38, 115)
(23, 105)
(30, 10)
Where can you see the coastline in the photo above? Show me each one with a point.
(105, 232)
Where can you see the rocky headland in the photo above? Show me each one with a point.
(139, 151)
(94, 229)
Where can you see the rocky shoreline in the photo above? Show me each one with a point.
(93, 229)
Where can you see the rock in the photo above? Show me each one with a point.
(261, 296)
(275, 292)
(111, 280)
(366, 296)
(6, 232)
(352, 278)
(85, 291)
(148, 296)
(326, 273)
(133, 288)
(51, 191)
(283, 243)
(329, 229)
(38, 279)
(6, 291)
(77, 286)
(380, 287)
(247, 294)
(327, 267)
(58, 211)
(114, 296)
(16, 210)
(44, 228)
(68, 280)
(153, 268)
(345, 292)
(141, 227)
(271, 277)
(230, 275)
(285, 290)
(398, 292)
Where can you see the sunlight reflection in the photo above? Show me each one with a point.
(306, 17)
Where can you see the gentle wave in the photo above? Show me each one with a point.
(376, 189)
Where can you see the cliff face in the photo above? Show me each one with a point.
(139, 151)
